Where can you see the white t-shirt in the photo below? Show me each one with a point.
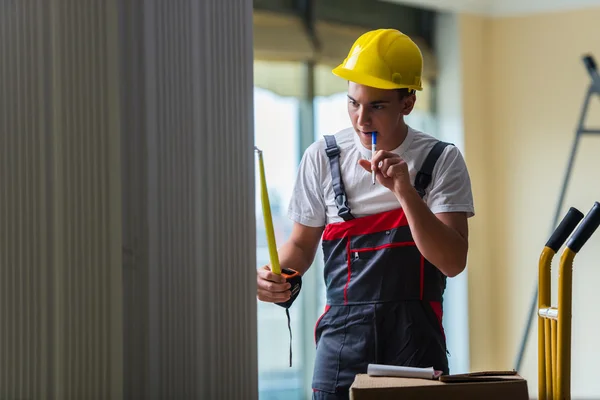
(313, 204)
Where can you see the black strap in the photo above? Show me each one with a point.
(287, 313)
(423, 178)
(341, 201)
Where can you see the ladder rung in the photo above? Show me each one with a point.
(550, 313)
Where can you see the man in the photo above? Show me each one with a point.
(388, 247)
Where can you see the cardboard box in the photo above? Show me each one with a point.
(483, 385)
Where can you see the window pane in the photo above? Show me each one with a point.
(331, 114)
(276, 134)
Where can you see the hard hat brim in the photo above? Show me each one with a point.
(368, 80)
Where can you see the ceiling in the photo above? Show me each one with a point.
(501, 7)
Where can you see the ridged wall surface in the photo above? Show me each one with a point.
(199, 122)
(25, 253)
(60, 272)
(155, 119)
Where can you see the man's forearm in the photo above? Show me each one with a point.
(294, 257)
(440, 244)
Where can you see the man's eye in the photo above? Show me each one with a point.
(379, 107)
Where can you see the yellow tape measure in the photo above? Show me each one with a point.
(266, 207)
(291, 276)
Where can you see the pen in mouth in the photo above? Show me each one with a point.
(373, 150)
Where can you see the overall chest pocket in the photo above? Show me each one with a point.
(385, 266)
(391, 273)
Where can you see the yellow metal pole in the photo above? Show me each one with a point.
(549, 389)
(266, 208)
(553, 330)
(546, 343)
(565, 295)
(563, 361)
(543, 302)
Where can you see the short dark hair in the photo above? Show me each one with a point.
(404, 92)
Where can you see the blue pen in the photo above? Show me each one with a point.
(373, 150)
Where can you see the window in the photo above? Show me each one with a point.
(276, 134)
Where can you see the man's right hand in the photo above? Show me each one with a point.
(296, 254)
(271, 287)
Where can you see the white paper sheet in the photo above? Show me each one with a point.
(403, 372)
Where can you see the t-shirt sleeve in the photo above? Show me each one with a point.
(307, 205)
(451, 185)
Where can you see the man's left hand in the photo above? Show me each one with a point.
(391, 171)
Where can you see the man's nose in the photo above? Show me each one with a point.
(364, 117)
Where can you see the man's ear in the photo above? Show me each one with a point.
(408, 103)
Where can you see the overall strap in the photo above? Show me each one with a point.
(423, 178)
(341, 201)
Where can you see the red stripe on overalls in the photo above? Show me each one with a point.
(348, 264)
(422, 275)
(384, 246)
(327, 307)
(369, 224)
(437, 309)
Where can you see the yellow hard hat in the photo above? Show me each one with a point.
(384, 59)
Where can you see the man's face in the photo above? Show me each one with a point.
(380, 110)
